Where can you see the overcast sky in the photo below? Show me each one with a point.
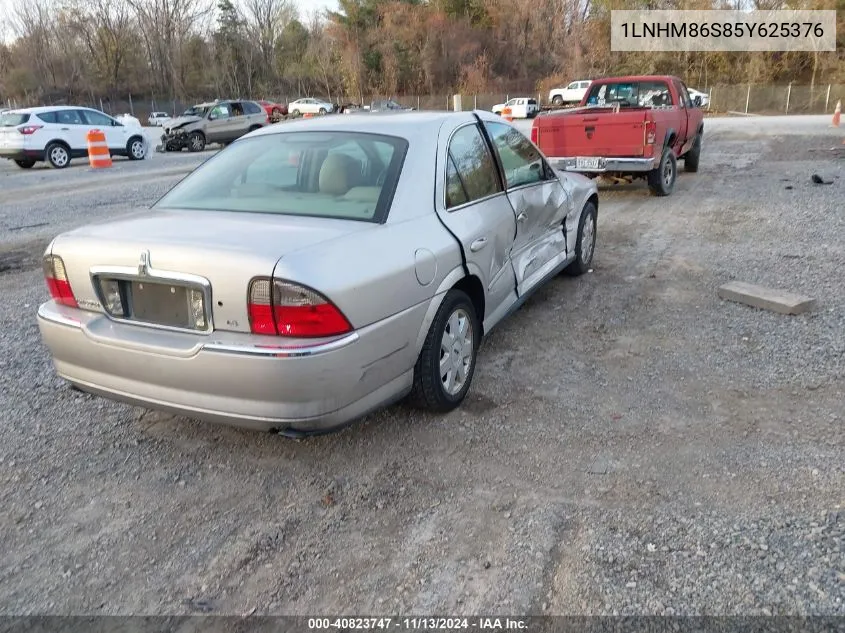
(310, 6)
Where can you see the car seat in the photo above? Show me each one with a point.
(338, 174)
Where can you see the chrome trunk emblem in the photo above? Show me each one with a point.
(144, 264)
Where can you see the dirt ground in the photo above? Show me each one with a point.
(631, 444)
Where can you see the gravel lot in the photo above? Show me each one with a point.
(631, 444)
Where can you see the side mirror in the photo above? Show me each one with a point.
(697, 101)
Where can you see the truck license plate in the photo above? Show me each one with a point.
(587, 162)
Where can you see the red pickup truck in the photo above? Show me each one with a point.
(634, 127)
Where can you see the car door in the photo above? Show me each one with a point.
(218, 124)
(74, 130)
(472, 204)
(539, 201)
(115, 134)
(685, 105)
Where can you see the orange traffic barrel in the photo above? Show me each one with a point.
(837, 113)
(507, 114)
(98, 150)
(307, 115)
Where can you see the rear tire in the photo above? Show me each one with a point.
(585, 245)
(322, 110)
(446, 364)
(558, 100)
(692, 156)
(661, 181)
(25, 163)
(58, 155)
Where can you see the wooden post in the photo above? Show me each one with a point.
(788, 94)
(827, 99)
(475, 102)
(747, 98)
(131, 107)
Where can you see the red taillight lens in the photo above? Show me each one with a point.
(650, 132)
(57, 283)
(282, 308)
(535, 134)
(26, 130)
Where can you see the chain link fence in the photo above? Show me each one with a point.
(737, 98)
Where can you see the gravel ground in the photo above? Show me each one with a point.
(631, 444)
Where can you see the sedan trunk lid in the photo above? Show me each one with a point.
(226, 249)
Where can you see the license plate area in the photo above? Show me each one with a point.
(174, 305)
(587, 162)
(160, 304)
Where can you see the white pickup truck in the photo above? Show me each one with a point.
(573, 93)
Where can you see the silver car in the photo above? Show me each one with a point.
(313, 272)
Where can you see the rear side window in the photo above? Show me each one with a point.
(47, 117)
(331, 174)
(473, 163)
(13, 119)
(69, 117)
(252, 108)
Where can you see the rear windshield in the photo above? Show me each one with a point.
(12, 119)
(334, 174)
(630, 94)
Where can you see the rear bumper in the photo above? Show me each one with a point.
(19, 153)
(620, 165)
(230, 378)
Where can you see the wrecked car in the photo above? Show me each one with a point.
(216, 122)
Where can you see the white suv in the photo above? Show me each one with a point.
(58, 134)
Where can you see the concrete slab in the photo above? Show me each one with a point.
(764, 298)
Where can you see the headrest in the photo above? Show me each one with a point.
(338, 174)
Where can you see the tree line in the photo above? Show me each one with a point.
(181, 49)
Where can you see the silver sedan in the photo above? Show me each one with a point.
(315, 271)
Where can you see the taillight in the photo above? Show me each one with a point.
(282, 308)
(57, 283)
(650, 132)
(535, 134)
(26, 130)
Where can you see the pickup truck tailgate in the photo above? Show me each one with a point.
(593, 132)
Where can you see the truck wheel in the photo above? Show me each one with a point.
(692, 156)
(24, 163)
(661, 181)
(558, 100)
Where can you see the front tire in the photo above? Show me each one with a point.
(322, 111)
(585, 245)
(25, 163)
(661, 181)
(58, 155)
(196, 142)
(692, 156)
(446, 364)
(136, 149)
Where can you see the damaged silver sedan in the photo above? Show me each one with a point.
(313, 272)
